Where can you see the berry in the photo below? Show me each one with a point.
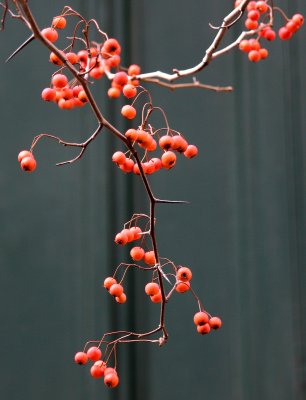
(121, 299)
(149, 258)
(55, 59)
(119, 157)
(284, 33)
(59, 81)
(110, 47)
(261, 6)
(127, 166)
(113, 93)
(298, 19)
(244, 45)
(50, 34)
(136, 232)
(59, 22)
(23, 154)
(200, 318)
(120, 78)
(182, 287)
(263, 53)
(72, 58)
(215, 322)
(129, 91)
(121, 238)
(191, 151)
(116, 290)
(165, 142)
(269, 34)
(156, 298)
(111, 380)
(94, 353)
(108, 282)
(128, 112)
(254, 56)
(137, 253)
(81, 358)
(97, 370)
(203, 329)
(168, 160)
(152, 289)
(28, 164)
(130, 235)
(184, 274)
(131, 134)
(179, 143)
(134, 69)
(253, 15)
(251, 24)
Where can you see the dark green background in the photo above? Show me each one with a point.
(243, 234)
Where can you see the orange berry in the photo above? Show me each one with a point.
(215, 322)
(137, 253)
(191, 151)
(269, 34)
(284, 33)
(55, 59)
(184, 274)
(23, 154)
(116, 290)
(254, 55)
(97, 72)
(261, 6)
(200, 318)
(298, 19)
(121, 299)
(127, 166)
(111, 380)
(110, 47)
(94, 353)
(28, 164)
(128, 112)
(59, 22)
(108, 282)
(136, 232)
(131, 134)
(120, 78)
(254, 44)
(149, 258)
(133, 70)
(250, 24)
(156, 298)
(83, 56)
(263, 53)
(48, 94)
(203, 329)
(81, 358)
(129, 91)
(165, 142)
(113, 93)
(83, 96)
(97, 370)
(253, 15)
(121, 238)
(50, 34)
(72, 58)
(59, 81)
(129, 234)
(244, 45)
(182, 287)
(143, 138)
(168, 160)
(152, 289)
(118, 157)
(251, 5)
(179, 143)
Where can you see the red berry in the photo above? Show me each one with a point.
(113, 93)
(149, 258)
(215, 322)
(179, 143)
(97, 370)
(152, 289)
(191, 151)
(250, 24)
(131, 134)
(119, 157)
(182, 287)
(254, 56)
(261, 6)
(120, 78)
(129, 91)
(111, 380)
(269, 34)
(168, 160)
(184, 274)
(284, 33)
(94, 353)
(156, 298)
(59, 81)
(110, 47)
(165, 142)
(298, 19)
(200, 318)
(128, 112)
(28, 164)
(116, 290)
(263, 53)
(137, 253)
(23, 154)
(50, 34)
(72, 58)
(203, 329)
(244, 46)
(253, 15)
(59, 22)
(81, 358)
(121, 238)
(136, 232)
(108, 282)
(121, 299)
(130, 235)
(134, 69)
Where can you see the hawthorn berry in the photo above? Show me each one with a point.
(182, 287)
(156, 298)
(128, 112)
(28, 164)
(168, 159)
(129, 91)
(81, 358)
(23, 154)
(215, 322)
(165, 142)
(108, 282)
(136, 232)
(94, 353)
(119, 157)
(137, 253)
(116, 290)
(121, 299)
(121, 238)
(134, 69)
(200, 318)
(149, 258)
(203, 329)
(111, 380)
(113, 93)
(184, 274)
(191, 151)
(59, 22)
(59, 81)
(50, 34)
(97, 370)
(284, 33)
(152, 289)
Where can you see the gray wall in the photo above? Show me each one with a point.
(243, 233)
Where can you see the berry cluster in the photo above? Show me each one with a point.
(99, 369)
(260, 19)
(27, 161)
(205, 323)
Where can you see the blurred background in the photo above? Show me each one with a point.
(243, 233)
